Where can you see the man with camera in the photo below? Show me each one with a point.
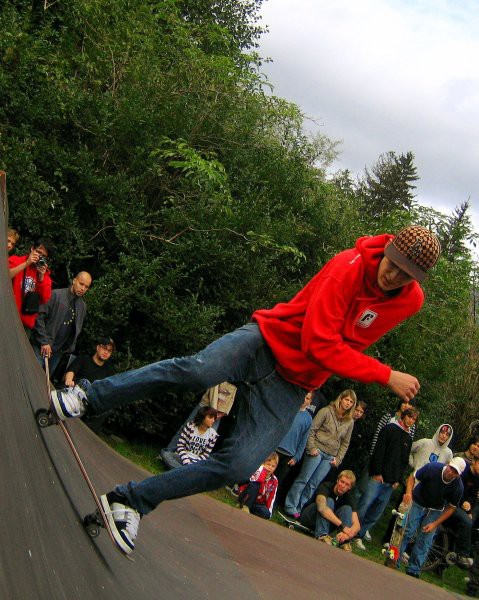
(32, 285)
(60, 321)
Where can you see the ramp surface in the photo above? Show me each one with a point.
(189, 549)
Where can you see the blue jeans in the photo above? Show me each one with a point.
(417, 518)
(372, 504)
(313, 519)
(313, 471)
(267, 407)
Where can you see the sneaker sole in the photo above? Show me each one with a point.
(57, 405)
(124, 547)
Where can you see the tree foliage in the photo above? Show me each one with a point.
(144, 140)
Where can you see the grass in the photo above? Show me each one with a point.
(145, 455)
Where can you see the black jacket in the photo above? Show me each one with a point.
(391, 453)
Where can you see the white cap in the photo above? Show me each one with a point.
(458, 463)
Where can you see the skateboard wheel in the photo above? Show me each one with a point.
(290, 526)
(43, 417)
(451, 558)
(92, 525)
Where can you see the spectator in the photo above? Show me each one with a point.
(356, 457)
(393, 417)
(196, 440)
(389, 417)
(92, 367)
(428, 490)
(221, 397)
(334, 509)
(60, 321)
(327, 443)
(466, 514)
(291, 447)
(257, 496)
(388, 464)
(32, 285)
(435, 449)
(471, 453)
(12, 239)
(356, 298)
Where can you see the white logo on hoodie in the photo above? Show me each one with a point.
(366, 319)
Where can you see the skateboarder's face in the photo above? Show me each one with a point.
(391, 277)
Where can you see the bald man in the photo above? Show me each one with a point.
(60, 321)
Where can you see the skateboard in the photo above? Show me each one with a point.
(97, 520)
(292, 523)
(392, 552)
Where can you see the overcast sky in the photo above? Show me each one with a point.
(381, 75)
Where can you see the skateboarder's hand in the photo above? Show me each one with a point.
(403, 385)
(407, 499)
(291, 462)
(429, 527)
(314, 452)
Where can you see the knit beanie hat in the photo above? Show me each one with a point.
(415, 250)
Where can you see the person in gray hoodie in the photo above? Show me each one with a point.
(435, 449)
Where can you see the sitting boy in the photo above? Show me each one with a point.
(258, 494)
(334, 509)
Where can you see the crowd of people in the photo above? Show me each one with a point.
(53, 319)
(276, 363)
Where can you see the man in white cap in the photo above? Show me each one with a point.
(434, 499)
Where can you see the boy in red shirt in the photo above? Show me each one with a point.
(286, 351)
(257, 496)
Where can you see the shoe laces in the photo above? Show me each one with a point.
(132, 519)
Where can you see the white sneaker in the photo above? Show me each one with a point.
(367, 536)
(359, 544)
(69, 402)
(123, 519)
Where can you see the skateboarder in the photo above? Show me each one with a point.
(356, 298)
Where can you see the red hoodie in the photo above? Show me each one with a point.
(32, 284)
(340, 312)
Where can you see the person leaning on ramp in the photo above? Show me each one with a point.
(284, 352)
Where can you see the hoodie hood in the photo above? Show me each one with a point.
(371, 248)
(435, 437)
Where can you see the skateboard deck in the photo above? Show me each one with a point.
(293, 523)
(98, 519)
(392, 552)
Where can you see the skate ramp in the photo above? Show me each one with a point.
(189, 549)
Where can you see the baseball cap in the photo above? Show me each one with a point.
(415, 250)
(458, 463)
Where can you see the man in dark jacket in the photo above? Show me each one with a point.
(60, 321)
(386, 469)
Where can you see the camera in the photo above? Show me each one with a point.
(41, 262)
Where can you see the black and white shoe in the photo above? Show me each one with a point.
(123, 520)
(69, 402)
